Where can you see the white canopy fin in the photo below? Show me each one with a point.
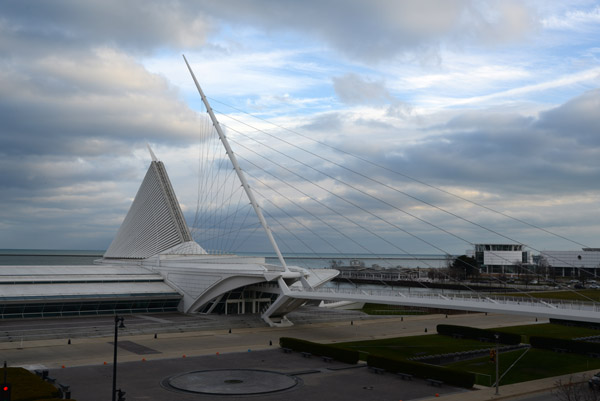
(152, 155)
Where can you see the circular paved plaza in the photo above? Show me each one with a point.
(231, 382)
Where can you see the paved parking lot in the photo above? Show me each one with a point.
(318, 380)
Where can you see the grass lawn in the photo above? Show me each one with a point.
(409, 347)
(549, 330)
(536, 364)
(28, 386)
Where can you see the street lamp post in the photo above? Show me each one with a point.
(118, 325)
(497, 362)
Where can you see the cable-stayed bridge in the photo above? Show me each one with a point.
(293, 288)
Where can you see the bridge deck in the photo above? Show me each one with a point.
(557, 309)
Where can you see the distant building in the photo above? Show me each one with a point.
(501, 258)
(584, 263)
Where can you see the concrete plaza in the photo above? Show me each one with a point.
(146, 363)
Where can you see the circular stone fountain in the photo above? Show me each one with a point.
(231, 382)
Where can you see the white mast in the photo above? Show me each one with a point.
(152, 155)
(237, 168)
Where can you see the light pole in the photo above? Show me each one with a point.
(118, 325)
(497, 336)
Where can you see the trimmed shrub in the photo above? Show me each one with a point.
(576, 347)
(337, 353)
(28, 387)
(476, 334)
(449, 376)
(575, 323)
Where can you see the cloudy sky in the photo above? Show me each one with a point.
(497, 102)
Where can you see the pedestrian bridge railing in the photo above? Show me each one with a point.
(560, 309)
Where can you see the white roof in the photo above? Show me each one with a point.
(94, 291)
(32, 283)
(583, 258)
(87, 270)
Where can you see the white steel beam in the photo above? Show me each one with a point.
(238, 170)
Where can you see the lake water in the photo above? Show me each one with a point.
(309, 261)
(29, 257)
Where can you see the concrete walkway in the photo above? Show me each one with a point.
(517, 390)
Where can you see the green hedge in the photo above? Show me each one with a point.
(577, 347)
(337, 353)
(28, 387)
(449, 376)
(476, 334)
(564, 322)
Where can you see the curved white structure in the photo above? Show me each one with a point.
(155, 236)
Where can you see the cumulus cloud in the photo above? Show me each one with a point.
(77, 102)
(491, 150)
(353, 89)
(510, 149)
(75, 107)
(504, 21)
(577, 120)
(382, 30)
(135, 25)
(88, 105)
(573, 19)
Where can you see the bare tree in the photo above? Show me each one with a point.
(552, 271)
(518, 268)
(464, 267)
(575, 391)
(583, 275)
(543, 267)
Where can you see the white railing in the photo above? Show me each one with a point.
(497, 300)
